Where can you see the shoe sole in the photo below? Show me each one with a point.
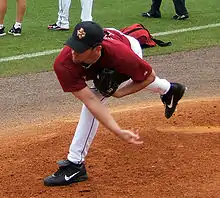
(14, 34)
(3, 34)
(181, 19)
(79, 179)
(156, 17)
(58, 29)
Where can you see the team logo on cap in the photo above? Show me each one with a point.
(81, 33)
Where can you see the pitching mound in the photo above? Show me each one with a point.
(194, 129)
(179, 158)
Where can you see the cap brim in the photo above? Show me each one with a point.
(77, 45)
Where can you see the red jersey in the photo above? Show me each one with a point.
(116, 54)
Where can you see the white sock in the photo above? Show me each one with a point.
(17, 25)
(160, 86)
(1, 26)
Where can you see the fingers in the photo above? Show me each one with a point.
(136, 140)
(135, 137)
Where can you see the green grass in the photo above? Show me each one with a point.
(36, 37)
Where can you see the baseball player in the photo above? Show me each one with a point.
(179, 5)
(63, 14)
(20, 12)
(114, 62)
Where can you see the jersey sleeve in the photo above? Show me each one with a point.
(132, 65)
(69, 81)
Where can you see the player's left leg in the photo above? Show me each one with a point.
(170, 93)
(3, 9)
(16, 28)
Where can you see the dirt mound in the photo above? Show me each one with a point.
(179, 158)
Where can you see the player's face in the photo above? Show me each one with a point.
(86, 57)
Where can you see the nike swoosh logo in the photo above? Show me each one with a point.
(171, 102)
(67, 178)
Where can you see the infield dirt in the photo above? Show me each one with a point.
(179, 158)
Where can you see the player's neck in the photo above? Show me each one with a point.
(94, 59)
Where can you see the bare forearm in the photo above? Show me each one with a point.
(134, 87)
(102, 114)
(99, 111)
(129, 89)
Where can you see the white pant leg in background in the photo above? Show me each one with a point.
(63, 13)
(84, 134)
(86, 12)
(64, 8)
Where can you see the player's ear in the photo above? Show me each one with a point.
(97, 47)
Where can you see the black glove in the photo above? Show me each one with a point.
(108, 81)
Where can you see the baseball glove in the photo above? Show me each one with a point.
(108, 81)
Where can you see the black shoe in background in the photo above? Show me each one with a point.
(180, 17)
(56, 27)
(150, 14)
(172, 97)
(67, 173)
(15, 31)
(175, 17)
(2, 31)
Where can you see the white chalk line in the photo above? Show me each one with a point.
(187, 29)
(25, 56)
(48, 52)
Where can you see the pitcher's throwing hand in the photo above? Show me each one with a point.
(131, 137)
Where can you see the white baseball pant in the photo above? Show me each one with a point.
(88, 124)
(63, 12)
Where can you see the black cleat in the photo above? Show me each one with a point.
(151, 15)
(15, 31)
(180, 17)
(172, 97)
(56, 27)
(67, 173)
(2, 31)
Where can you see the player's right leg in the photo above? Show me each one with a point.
(73, 169)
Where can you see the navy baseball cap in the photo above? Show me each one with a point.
(86, 34)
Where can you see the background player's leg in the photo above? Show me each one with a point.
(21, 8)
(86, 12)
(3, 9)
(63, 14)
(59, 13)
